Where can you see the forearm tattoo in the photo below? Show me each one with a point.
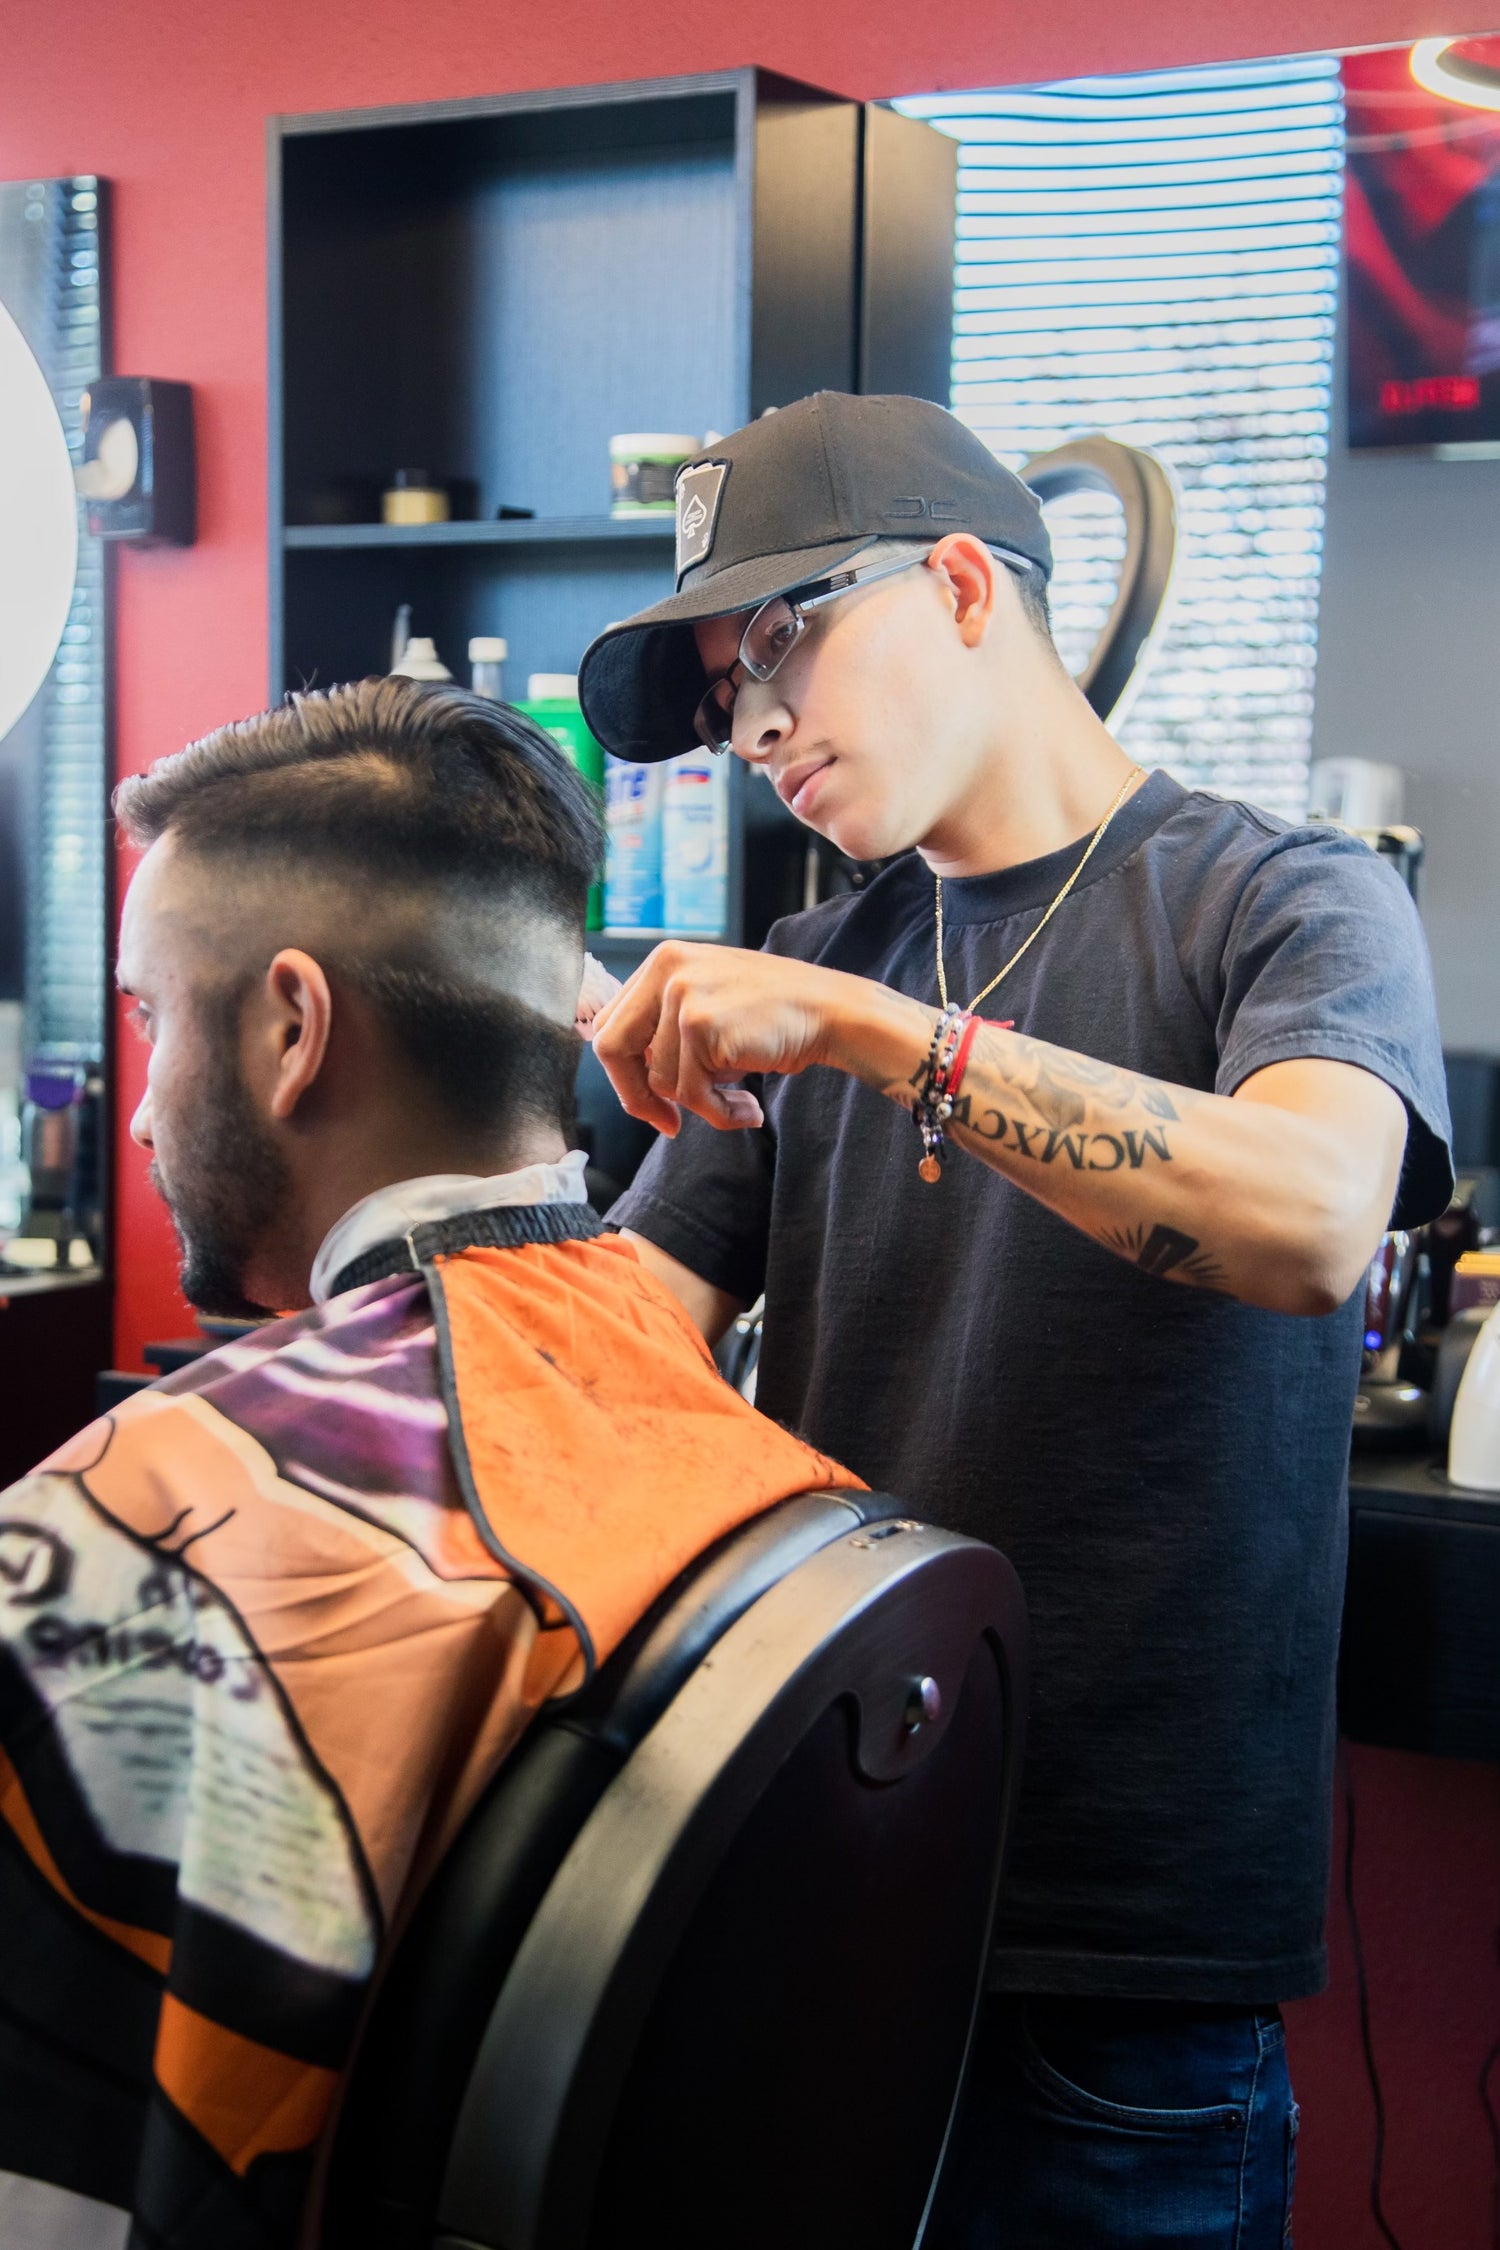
(1078, 1107)
(1062, 1087)
(1049, 1106)
(1050, 1144)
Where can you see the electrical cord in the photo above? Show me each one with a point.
(1377, 2208)
(1492, 2119)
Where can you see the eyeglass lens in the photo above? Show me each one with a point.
(714, 717)
(769, 638)
(771, 635)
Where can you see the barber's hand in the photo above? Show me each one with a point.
(694, 1018)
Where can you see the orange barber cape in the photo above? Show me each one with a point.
(265, 1634)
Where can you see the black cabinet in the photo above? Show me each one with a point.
(1419, 1661)
(53, 1341)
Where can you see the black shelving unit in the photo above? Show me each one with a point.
(490, 289)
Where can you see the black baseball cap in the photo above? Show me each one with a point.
(784, 502)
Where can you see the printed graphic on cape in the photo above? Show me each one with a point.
(347, 1402)
(218, 1608)
(172, 1731)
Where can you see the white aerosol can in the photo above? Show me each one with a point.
(1474, 1440)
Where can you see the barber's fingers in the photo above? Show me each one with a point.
(712, 1096)
(740, 1107)
(689, 1064)
(682, 1065)
(631, 1079)
(661, 1045)
(685, 1068)
(666, 1041)
(628, 1073)
(623, 1041)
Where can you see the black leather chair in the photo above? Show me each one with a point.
(702, 1967)
(1143, 486)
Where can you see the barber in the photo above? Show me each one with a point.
(1062, 1150)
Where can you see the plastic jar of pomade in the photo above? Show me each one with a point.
(643, 468)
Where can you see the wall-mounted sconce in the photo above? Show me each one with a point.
(139, 473)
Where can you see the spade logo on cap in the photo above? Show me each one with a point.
(699, 491)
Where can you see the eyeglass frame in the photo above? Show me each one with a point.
(820, 592)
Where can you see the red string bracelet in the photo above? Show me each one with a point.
(961, 1058)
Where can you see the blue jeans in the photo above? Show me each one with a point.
(1120, 2125)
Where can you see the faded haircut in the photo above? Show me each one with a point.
(391, 787)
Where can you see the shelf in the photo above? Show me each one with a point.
(641, 941)
(534, 531)
(18, 1282)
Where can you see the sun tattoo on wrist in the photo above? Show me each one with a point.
(1166, 1251)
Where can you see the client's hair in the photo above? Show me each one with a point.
(415, 792)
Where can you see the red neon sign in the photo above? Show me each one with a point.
(1454, 393)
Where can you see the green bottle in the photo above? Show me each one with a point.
(552, 701)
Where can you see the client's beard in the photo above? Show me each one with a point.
(229, 1182)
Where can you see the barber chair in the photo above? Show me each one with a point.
(1118, 662)
(702, 1966)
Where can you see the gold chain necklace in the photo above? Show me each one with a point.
(1136, 773)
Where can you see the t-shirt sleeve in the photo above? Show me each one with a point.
(705, 1198)
(1326, 958)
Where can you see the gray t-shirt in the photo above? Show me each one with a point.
(1165, 1467)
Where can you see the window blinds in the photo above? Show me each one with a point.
(1156, 256)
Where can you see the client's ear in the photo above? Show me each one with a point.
(291, 1027)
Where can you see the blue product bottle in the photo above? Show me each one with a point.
(695, 844)
(632, 864)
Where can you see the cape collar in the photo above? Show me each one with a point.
(502, 1227)
(391, 1213)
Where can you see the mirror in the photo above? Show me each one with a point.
(53, 767)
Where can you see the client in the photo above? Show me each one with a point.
(268, 1629)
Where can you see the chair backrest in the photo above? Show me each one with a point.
(1141, 483)
(702, 1966)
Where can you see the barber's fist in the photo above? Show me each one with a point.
(694, 1018)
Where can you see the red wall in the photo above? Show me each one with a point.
(167, 99)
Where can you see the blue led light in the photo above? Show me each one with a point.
(1373, 1339)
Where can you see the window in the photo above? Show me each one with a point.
(1157, 257)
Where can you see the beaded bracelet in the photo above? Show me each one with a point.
(934, 1103)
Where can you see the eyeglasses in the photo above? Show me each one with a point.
(768, 640)
(774, 631)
